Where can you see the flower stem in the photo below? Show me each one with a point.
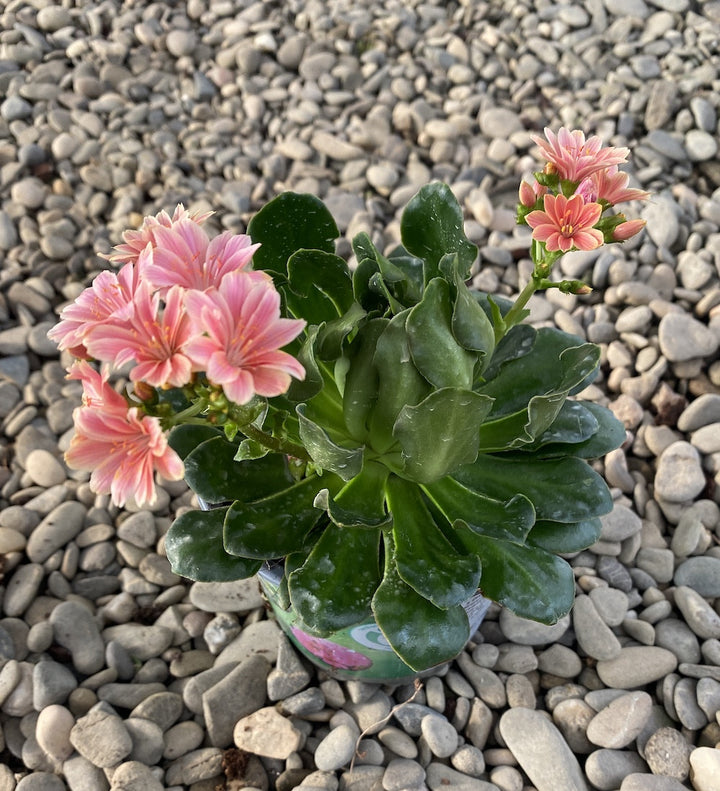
(274, 443)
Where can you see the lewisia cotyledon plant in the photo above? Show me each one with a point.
(398, 439)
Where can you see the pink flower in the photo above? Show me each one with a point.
(627, 229)
(238, 334)
(109, 297)
(331, 653)
(609, 185)
(566, 223)
(574, 157)
(136, 241)
(152, 338)
(185, 256)
(120, 447)
(529, 193)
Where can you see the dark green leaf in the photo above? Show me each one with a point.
(213, 474)
(609, 435)
(320, 286)
(331, 336)
(311, 385)
(334, 587)
(409, 290)
(440, 433)
(249, 450)
(435, 351)
(194, 547)
(562, 490)
(361, 383)
(558, 363)
(425, 559)
(563, 538)
(399, 382)
(432, 225)
(528, 581)
(422, 634)
(185, 438)
(470, 324)
(289, 223)
(367, 296)
(361, 502)
(574, 424)
(277, 525)
(516, 431)
(345, 462)
(518, 342)
(510, 521)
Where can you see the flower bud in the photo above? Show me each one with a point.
(627, 229)
(527, 195)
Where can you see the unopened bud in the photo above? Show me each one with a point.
(628, 229)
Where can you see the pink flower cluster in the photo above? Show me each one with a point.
(181, 304)
(590, 171)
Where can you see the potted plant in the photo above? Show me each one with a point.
(389, 441)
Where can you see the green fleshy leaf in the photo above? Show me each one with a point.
(563, 538)
(320, 286)
(277, 525)
(334, 586)
(361, 383)
(289, 223)
(518, 342)
(574, 423)
(185, 438)
(367, 296)
(361, 502)
(213, 474)
(609, 435)
(528, 581)
(194, 547)
(425, 559)
(432, 225)
(248, 450)
(509, 521)
(305, 389)
(470, 324)
(435, 351)
(345, 462)
(332, 334)
(559, 363)
(409, 290)
(422, 634)
(561, 490)
(399, 383)
(440, 433)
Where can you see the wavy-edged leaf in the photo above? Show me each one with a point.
(305, 389)
(334, 586)
(213, 474)
(332, 334)
(432, 225)
(563, 538)
(277, 525)
(422, 634)
(440, 433)
(558, 364)
(609, 435)
(365, 294)
(399, 382)
(435, 351)
(320, 286)
(470, 324)
(345, 462)
(528, 581)
(291, 222)
(425, 559)
(183, 439)
(361, 382)
(561, 490)
(194, 547)
(509, 520)
(361, 502)
(517, 343)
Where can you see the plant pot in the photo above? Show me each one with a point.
(358, 652)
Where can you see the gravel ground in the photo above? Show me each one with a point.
(115, 673)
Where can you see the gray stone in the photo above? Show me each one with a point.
(667, 752)
(606, 769)
(52, 683)
(527, 632)
(618, 724)
(679, 477)
(647, 782)
(337, 748)
(683, 337)
(440, 736)
(61, 525)
(147, 740)
(698, 614)
(702, 574)
(705, 768)
(141, 642)
(22, 588)
(101, 737)
(401, 774)
(194, 767)
(135, 776)
(592, 633)
(52, 731)
(636, 666)
(266, 732)
(240, 693)
(162, 708)
(238, 596)
(541, 751)
(75, 629)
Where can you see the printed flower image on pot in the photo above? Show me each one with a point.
(332, 653)
(398, 441)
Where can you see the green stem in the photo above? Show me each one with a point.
(512, 317)
(273, 443)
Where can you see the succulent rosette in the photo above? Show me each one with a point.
(413, 441)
